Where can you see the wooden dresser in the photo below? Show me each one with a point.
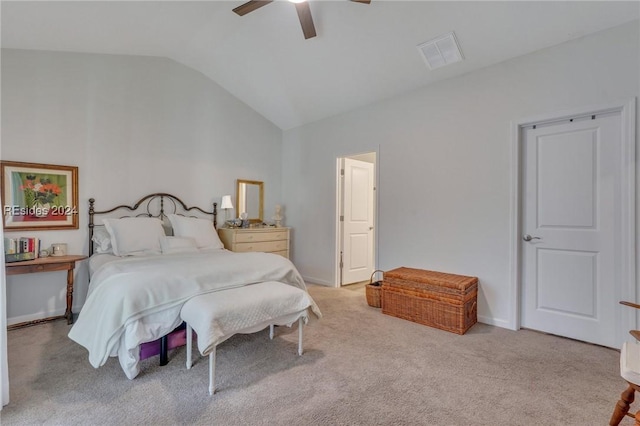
(269, 240)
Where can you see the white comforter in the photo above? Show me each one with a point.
(138, 299)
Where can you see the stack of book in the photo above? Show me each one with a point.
(23, 248)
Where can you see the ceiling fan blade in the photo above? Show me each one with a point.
(250, 6)
(362, 1)
(304, 14)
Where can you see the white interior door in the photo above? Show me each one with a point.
(571, 203)
(358, 250)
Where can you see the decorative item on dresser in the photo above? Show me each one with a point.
(269, 240)
(277, 217)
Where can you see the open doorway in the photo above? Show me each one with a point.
(355, 218)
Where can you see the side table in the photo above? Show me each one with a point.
(47, 264)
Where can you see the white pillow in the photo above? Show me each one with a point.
(177, 245)
(201, 230)
(134, 235)
(102, 240)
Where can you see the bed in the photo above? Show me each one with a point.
(144, 265)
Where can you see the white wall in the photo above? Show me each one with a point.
(133, 125)
(444, 161)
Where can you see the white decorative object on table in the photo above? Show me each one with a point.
(58, 249)
(245, 221)
(277, 217)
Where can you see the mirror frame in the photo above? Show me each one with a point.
(260, 185)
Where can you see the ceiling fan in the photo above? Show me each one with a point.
(302, 7)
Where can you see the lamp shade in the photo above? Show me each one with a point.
(226, 202)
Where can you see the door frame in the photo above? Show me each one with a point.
(627, 245)
(339, 196)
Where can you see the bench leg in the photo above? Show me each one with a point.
(189, 345)
(212, 371)
(271, 332)
(300, 324)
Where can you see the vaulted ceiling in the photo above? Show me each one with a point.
(362, 53)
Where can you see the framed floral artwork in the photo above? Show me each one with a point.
(38, 196)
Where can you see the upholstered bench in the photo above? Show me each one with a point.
(217, 316)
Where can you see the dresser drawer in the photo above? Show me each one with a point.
(268, 240)
(250, 237)
(266, 246)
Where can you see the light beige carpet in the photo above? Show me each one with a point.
(360, 367)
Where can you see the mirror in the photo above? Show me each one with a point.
(250, 199)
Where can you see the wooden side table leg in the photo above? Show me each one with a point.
(622, 407)
(68, 314)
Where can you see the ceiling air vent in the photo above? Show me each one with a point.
(441, 51)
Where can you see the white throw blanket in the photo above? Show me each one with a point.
(138, 299)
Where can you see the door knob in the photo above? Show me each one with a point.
(371, 228)
(528, 237)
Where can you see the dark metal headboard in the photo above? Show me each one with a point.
(148, 210)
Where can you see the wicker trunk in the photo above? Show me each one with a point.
(437, 299)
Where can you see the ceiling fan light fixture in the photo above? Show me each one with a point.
(302, 8)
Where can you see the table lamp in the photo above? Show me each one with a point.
(226, 205)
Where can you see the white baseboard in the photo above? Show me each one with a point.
(498, 322)
(313, 280)
(494, 321)
(41, 315)
(35, 316)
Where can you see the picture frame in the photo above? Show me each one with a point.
(38, 196)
